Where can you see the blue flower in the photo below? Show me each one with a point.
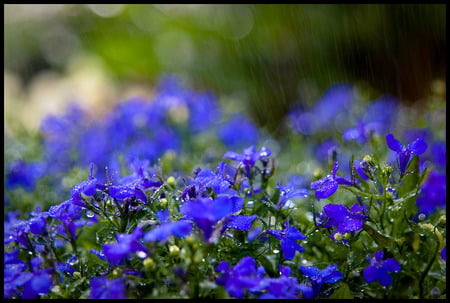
(104, 288)
(20, 173)
(379, 269)
(38, 221)
(168, 228)
(318, 277)
(405, 152)
(240, 222)
(344, 220)
(249, 157)
(433, 194)
(126, 244)
(69, 214)
(288, 192)
(242, 276)
(329, 184)
(336, 101)
(283, 287)
(206, 179)
(206, 212)
(288, 236)
(361, 133)
(238, 124)
(444, 253)
(87, 188)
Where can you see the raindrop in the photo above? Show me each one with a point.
(89, 214)
(141, 254)
(10, 237)
(73, 261)
(203, 260)
(304, 262)
(276, 251)
(30, 253)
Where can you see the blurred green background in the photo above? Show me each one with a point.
(261, 57)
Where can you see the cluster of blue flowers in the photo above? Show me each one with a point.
(234, 226)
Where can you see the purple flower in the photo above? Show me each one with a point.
(379, 269)
(318, 277)
(103, 288)
(405, 152)
(329, 184)
(288, 236)
(126, 244)
(249, 157)
(444, 253)
(242, 276)
(344, 220)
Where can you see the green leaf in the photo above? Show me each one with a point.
(267, 265)
(411, 178)
(342, 292)
(380, 239)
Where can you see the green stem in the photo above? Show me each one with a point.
(427, 269)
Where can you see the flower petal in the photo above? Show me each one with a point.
(418, 146)
(384, 278)
(370, 274)
(393, 143)
(327, 189)
(391, 265)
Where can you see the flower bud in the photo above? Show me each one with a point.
(338, 236)
(77, 275)
(163, 202)
(116, 273)
(171, 181)
(174, 250)
(149, 264)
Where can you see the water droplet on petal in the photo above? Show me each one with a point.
(89, 214)
(141, 254)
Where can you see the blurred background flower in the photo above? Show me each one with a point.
(264, 56)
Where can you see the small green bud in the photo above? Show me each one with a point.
(338, 236)
(171, 181)
(149, 264)
(116, 273)
(163, 202)
(77, 275)
(368, 159)
(198, 256)
(174, 250)
(347, 236)
(318, 173)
